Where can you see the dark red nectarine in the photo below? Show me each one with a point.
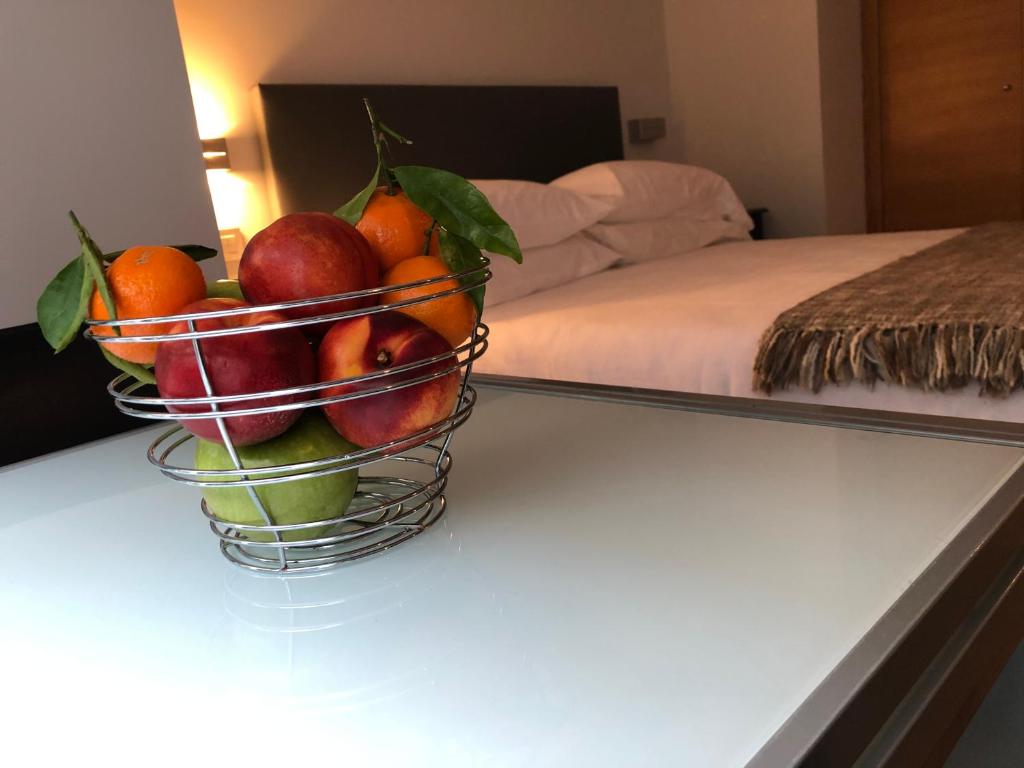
(305, 256)
(237, 364)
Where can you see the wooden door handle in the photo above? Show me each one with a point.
(1007, 87)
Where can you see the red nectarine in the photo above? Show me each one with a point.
(305, 256)
(361, 345)
(237, 364)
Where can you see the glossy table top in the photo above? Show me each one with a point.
(612, 585)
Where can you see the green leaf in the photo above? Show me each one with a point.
(140, 372)
(194, 252)
(352, 211)
(93, 258)
(459, 207)
(61, 309)
(459, 255)
(197, 252)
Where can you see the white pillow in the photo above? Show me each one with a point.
(545, 267)
(647, 240)
(540, 214)
(643, 190)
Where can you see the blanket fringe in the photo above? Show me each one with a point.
(932, 357)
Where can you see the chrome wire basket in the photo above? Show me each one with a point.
(401, 483)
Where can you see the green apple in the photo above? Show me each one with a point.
(224, 289)
(294, 501)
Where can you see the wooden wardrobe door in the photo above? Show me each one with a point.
(950, 112)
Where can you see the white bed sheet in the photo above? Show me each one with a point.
(691, 323)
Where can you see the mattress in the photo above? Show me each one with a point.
(691, 323)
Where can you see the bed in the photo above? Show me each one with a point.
(689, 323)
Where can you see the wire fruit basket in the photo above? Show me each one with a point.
(401, 483)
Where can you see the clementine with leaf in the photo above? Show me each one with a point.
(395, 228)
(146, 281)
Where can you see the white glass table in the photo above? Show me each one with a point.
(614, 584)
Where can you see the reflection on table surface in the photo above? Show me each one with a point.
(612, 585)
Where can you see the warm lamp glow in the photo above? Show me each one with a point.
(211, 117)
(236, 189)
(229, 193)
(227, 190)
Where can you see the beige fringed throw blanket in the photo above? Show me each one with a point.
(937, 319)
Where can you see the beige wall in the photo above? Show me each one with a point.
(745, 98)
(231, 45)
(842, 115)
(768, 95)
(96, 116)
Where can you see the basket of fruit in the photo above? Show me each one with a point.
(313, 401)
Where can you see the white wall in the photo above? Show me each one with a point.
(95, 116)
(769, 95)
(231, 45)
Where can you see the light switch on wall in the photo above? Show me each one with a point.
(643, 129)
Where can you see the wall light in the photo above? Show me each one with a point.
(212, 118)
(215, 155)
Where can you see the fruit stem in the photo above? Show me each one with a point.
(381, 133)
(430, 233)
(92, 259)
(378, 144)
(75, 222)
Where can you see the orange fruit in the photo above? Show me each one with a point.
(454, 317)
(395, 228)
(146, 281)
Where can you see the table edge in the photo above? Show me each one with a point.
(852, 705)
(899, 422)
(848, 709)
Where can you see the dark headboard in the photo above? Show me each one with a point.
(318, 138)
